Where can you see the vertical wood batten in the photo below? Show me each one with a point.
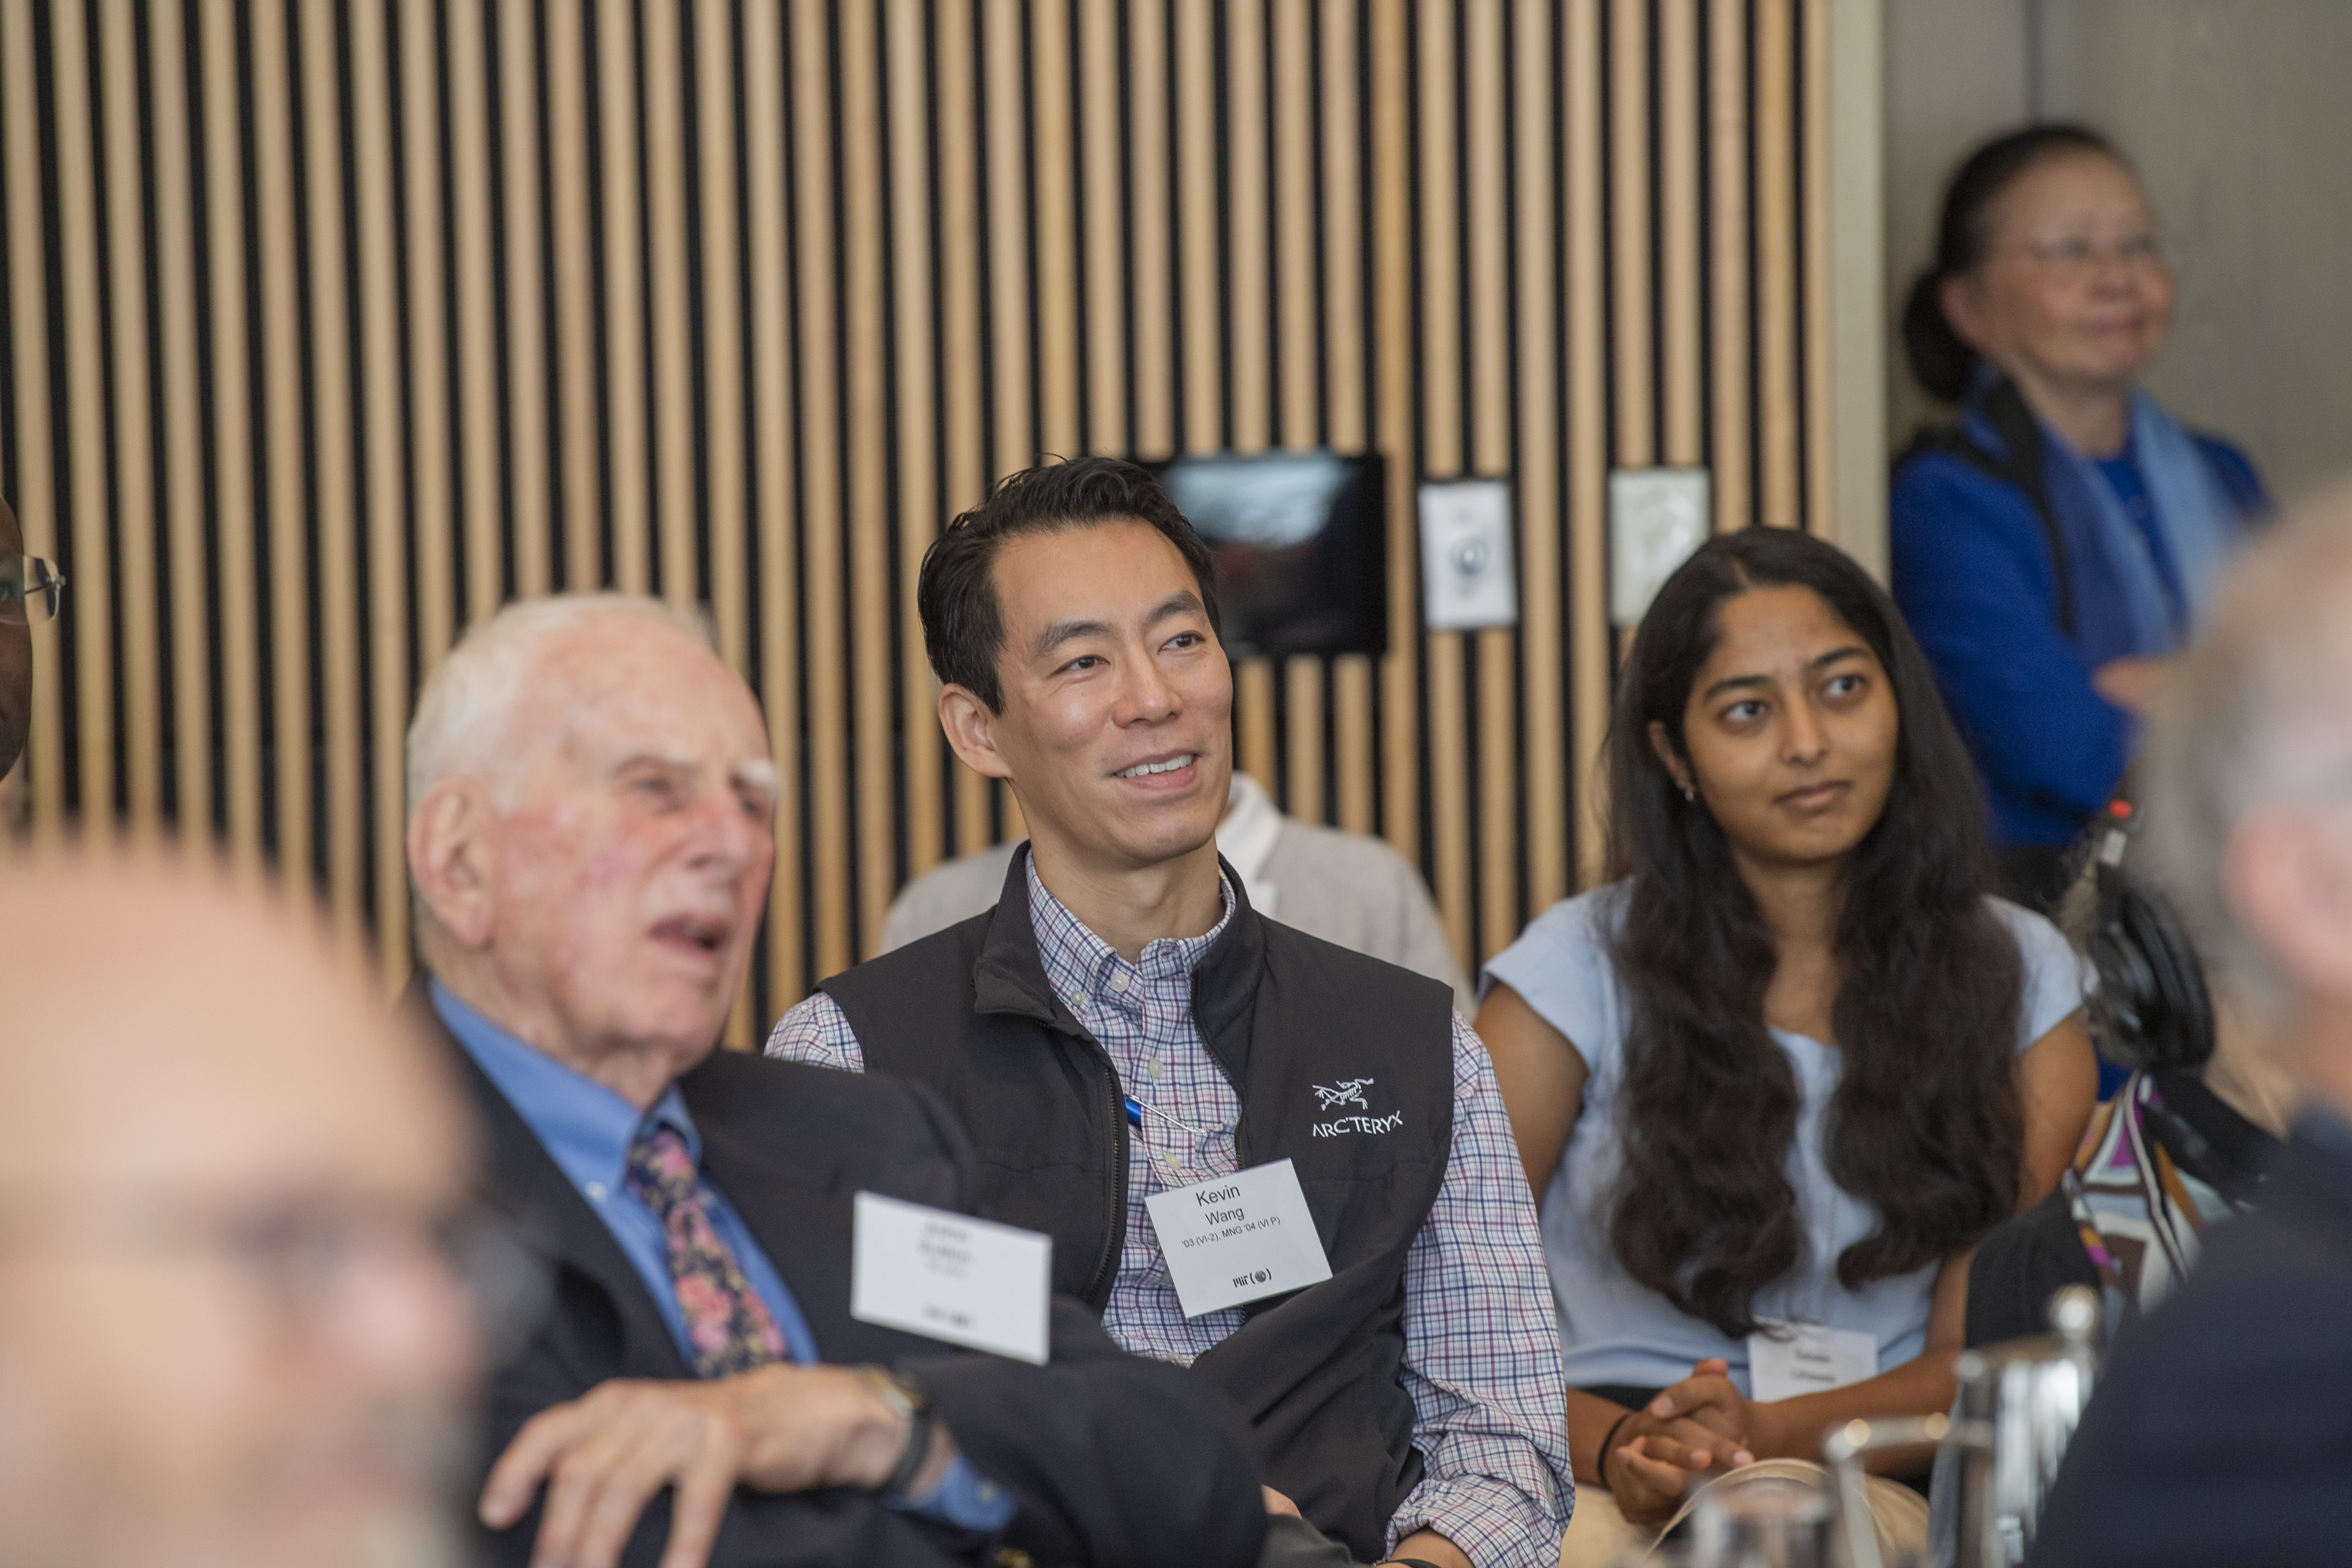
(235, 498)
(1297, 424)
(433, 495)
(1004, 93)
(964, 387)
(573, 252)
(1728, 249)
(1053, 168)
(528, 454)
(1100, 180)
(717, 127)
(133, 483)
(1346, 371)
(670, 414)
(774, 480)
(1779, 398)
(1628, 222)
(874, 699)
(281, 423)
(1445, 731)
(1391, 247)
(629, 444)
(1151, 198)
(727, 514)
(1679, 124)
(1588, 437)
(1198, 298)
(1813, 152)
(1247, 317)
(32, 487)
(387, 483)
(1500, 849)
(905, 43)
(480, 444)
(174, 147)
(822, 584)
(85, 412)
(333, 518)
(1542, 697)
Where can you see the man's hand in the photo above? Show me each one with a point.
(1699, 1426)
(603, 1457)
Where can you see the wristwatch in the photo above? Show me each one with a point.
(912, 1402)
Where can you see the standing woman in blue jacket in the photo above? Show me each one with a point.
(2056, 546)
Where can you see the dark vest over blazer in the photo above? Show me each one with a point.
(1111, 1458)
(968, 1013)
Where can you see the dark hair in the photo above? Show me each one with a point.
(1940, 361)
(963, 623)
(1926, 1124)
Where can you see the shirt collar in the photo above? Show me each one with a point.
(1079, 964)
(1245, 837)
(586, 1128)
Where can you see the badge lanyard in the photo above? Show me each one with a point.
(1137, 1110)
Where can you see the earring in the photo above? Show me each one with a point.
(1689, 793)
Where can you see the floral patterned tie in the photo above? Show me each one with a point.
(728, 1327)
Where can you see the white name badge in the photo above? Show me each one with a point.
(1806, 1358)
(949, 1276)
(1236, 1238)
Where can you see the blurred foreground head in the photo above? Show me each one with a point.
(2250, 784)
(228, 1336)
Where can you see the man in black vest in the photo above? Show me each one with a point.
(591, 836)
(1123, 1030)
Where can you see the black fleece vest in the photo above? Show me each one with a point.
(969, 1012)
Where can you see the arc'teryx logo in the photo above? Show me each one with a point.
(1350, 1092)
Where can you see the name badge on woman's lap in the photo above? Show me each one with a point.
(1234, 1238)
(1785, 1360)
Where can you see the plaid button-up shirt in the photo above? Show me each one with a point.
(1482, 1346)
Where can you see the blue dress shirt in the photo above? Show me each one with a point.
(587, 1130)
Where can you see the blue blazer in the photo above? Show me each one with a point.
(2221, 1432)
(1971, 570)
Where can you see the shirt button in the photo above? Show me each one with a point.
(1153, 1069)
(595, 1191)
(1119, 980)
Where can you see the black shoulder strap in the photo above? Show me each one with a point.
(2022, 466)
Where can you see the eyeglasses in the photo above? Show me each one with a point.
(2077, 256)
(30, 590)
(311, 1259)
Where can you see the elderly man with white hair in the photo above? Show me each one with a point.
(2222, 1432)
(590, 835)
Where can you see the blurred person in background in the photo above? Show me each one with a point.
(1346, 888)
(2221, 1430)
(1784, 1071)
(2054, 548)
(591, 834)
(229, 1334)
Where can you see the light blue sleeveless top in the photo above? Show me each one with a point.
(1614, 1330)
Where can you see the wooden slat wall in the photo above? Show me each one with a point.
(330, 324)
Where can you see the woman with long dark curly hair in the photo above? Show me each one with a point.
(1773, 1082)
